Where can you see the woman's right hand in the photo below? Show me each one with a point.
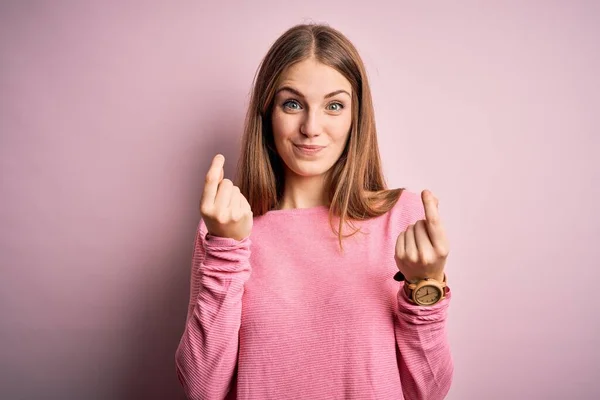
(225, 210)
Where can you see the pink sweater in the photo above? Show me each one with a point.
(283, 314)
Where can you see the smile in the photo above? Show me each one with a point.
(309, 150)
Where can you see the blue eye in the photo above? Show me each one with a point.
(292, 105)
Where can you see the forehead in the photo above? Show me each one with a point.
(314, 78)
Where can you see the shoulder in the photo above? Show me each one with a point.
(408, 209)
(405, 211)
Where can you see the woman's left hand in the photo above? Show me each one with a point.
(422, 249)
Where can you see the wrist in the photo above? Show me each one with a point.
(425, 291)
(438, 277)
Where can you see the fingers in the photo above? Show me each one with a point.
(410, 246)
(433, 223)
(431, 207)
(401, 246)
(239, 206)
(234, 204)
(413, 245)
(244, 205)
(213, 179)
(425, 250)
(224, 194)
(421, 250)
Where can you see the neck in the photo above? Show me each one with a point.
(303, 192)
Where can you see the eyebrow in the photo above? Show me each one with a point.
(297, 93)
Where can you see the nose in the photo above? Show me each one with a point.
(311, 126)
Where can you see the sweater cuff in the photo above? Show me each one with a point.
(226, 254)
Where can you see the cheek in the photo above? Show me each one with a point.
(283, 125)
(340, 127)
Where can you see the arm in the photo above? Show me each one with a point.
(207, 353)
(424, 358)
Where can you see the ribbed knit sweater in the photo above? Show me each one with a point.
(284, 314)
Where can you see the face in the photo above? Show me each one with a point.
(312, 107)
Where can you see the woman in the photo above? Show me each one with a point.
(284, 304)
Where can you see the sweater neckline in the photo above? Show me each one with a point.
(299, 211)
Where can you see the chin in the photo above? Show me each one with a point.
(308, 171)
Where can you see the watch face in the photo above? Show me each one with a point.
(427, 295)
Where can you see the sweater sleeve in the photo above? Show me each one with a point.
(206, 357)
(424, 358)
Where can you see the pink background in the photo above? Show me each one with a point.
(111, 111)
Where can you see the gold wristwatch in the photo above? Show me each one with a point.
(425, 292)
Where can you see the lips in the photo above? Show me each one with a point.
(309, 150)
(309, 147)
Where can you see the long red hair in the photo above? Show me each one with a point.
(357, 188)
